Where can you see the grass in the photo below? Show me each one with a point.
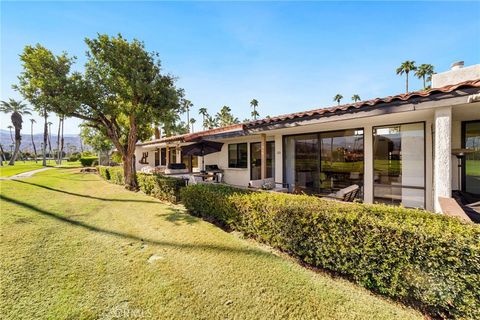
(19, 167)
(73, 246)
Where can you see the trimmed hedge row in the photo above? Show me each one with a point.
(161, 187)
(112, 174)
(427, 260)
(88, 161)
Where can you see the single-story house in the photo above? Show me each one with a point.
(409, 149)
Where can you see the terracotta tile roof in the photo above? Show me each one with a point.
(365, 104)
(316, 112)
(195, 136)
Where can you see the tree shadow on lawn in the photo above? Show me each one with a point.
(176, 215)
(83, 195)
(53, 215)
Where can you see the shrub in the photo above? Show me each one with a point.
(116, 175)
(428, 260)
(74, 157)
(103, 172)
(212, 202)
(161, 187)
(87, 161)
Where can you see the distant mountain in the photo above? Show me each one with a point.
(6, 140)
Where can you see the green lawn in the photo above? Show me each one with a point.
(73, 246)
(19, 167)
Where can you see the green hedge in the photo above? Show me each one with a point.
(112, 174)
(116, 175)
(161, 187)
(212, 202)
(103, 172)
(424, 259)
(88, 161)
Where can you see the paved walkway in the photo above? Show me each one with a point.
(27, 174)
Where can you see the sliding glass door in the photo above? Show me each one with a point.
(324, 162)
(399, 164)
(256, 160)
(471, 140)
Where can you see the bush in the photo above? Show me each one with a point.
(212, 202)
(87, 161)
(74, 157)
(420, 258)
(161, 187)
(103, 172)
(116, 175)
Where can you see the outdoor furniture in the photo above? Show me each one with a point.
(205, 176)
(201, 149)
(268, 184)
(176, 168)
(347, 194)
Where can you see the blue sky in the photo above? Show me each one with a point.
(291, 56)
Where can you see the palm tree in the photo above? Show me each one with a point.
(406, 67)
(11, 134)
(17, 109)
(203, 112)
(33, 142)
(254, 105)
(192, 121)
(187, 104)
(424, 72)
(356, 98)
(337, 98)
(225, 117)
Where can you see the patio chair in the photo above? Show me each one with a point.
(347, 194)
(268, 184)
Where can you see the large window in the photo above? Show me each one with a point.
(324, 162)
(256, 160)
(163, 156)
(399, 164)
(237, 155)
(471, 140)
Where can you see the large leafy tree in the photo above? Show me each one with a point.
(121, 93)
(95, 138)
(16, 109)
(254, 105)
(45, 83)
(225, 117)
(406, 67)
(356, 98)
(424, 72)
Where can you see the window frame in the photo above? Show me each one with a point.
(237, 164)
(424, 159)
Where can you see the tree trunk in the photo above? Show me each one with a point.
(424, 84)
(3, 155)
(61, 143)
(17, 124)
(33, 143)
(49, 135)
(58, 139)
(407, 82)
(45, 138)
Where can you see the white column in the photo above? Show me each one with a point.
(368, 163)
(278, 158)
(263, 156)
(442, 168)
